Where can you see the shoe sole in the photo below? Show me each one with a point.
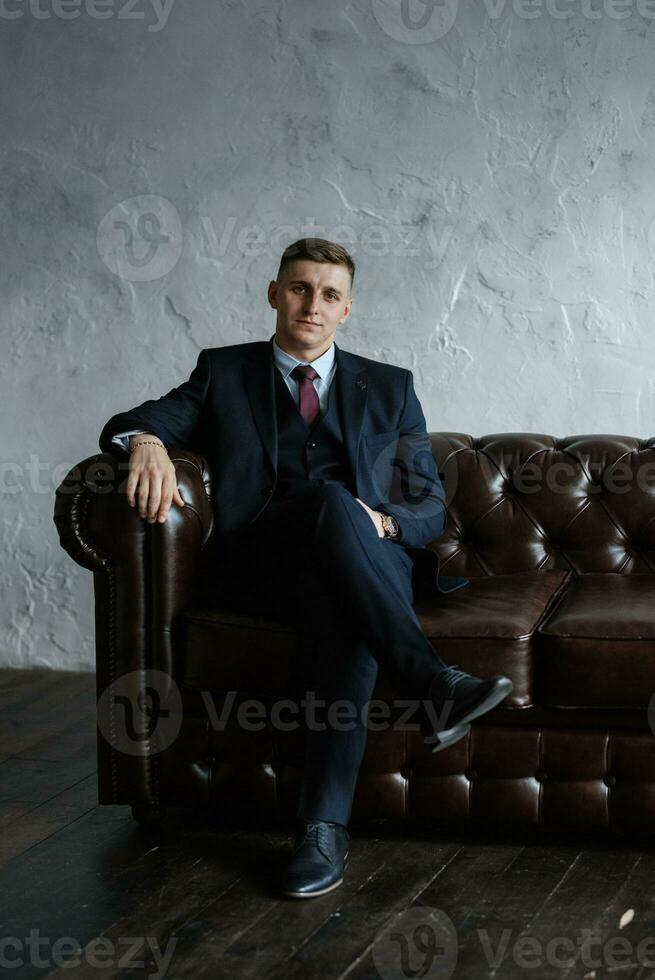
(497, 694)
(448, 736)
(323, 891)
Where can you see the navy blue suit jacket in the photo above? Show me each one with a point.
(227, 412)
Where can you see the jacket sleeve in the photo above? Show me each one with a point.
(174, 418)
(418, 500)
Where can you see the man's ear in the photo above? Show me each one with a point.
(347, 313)
(272, 293)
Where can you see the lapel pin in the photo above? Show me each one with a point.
(361, 383)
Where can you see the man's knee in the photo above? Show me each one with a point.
(333, 491)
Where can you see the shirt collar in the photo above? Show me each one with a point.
(287, 362)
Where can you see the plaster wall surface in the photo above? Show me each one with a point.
(491, 171)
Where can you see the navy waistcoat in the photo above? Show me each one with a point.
(307, 457)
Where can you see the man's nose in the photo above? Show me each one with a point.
(311, 304)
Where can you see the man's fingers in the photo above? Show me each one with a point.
(165, 504)
(170, 493)
(153, 487)
(132, 484)
(144, 486)
(155, 497)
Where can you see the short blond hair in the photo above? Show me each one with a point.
(317, 250)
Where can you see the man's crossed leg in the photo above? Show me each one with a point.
(316, 560)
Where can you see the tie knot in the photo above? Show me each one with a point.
(304, 372)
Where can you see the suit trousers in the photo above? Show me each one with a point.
(315, 559)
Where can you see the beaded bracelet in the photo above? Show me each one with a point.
(147, 442)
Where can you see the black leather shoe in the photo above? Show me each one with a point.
(320, 854)
(457, 698)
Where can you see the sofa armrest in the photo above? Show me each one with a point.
(92, 500)
(145, 577)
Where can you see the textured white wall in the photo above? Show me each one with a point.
(491, 168)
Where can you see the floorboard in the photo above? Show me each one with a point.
(199, 899)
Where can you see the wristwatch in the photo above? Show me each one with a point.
(389, 525)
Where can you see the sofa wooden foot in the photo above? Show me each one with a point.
(147, 814)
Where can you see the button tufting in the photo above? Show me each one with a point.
(471, 774)
(406, 772)
(609, 780)
(541, 776)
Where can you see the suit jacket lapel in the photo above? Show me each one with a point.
(352, 393)
(259, 383)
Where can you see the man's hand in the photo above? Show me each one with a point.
(375, 516)
(153, 474)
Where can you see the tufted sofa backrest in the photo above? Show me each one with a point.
(519, 501)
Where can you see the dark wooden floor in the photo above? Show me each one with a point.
(198, 899)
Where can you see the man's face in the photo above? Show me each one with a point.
(311, 299)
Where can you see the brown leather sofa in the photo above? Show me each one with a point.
(557, 539)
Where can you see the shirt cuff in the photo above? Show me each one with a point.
(123, 438)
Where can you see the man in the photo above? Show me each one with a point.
(325, 495)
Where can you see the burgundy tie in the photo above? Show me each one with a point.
(310, 405)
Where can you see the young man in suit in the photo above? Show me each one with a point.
(307, 444)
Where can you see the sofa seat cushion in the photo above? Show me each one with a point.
(597, 647)
(486, 629)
